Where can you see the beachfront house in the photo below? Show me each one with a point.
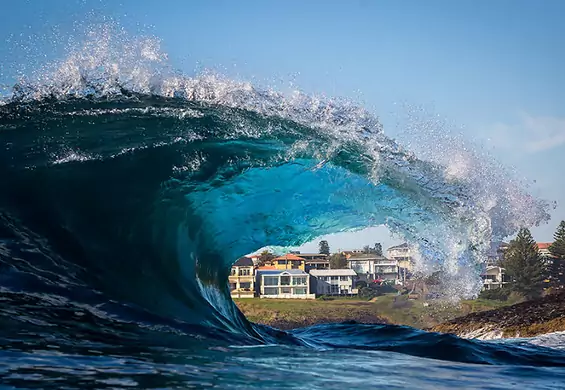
(241, 279)
(333, 282)
(493, 277)
(314, 260)
(404, 255)
(387, 270)
(283, 284)
(289, 261)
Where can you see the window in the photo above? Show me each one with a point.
(244, 272)
(334, 277)
(232, 272)
(334, 289)
(344, 292)
(232, 286)
(300, 291)
(285, 280)
(271, 280)
(344, 278)
(271, 291)
(246, 285)
(281, 262)
(299, 280)
(285, 290)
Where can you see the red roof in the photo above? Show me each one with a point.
(544, 245)
(289, 256)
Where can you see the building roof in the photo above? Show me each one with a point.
(243, 262)
(311, 254)
(289, 256)
(281, 271)
(333, 272)
(401, 246)
(266, 267)
(544, 245)
(365, 257)
(318, 261)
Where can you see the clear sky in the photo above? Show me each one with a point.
(495, 68)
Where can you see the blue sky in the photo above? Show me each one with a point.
(495, 69)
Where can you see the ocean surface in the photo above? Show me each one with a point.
(128, 190)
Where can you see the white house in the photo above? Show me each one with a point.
(284, 284)
(372, 267)
(333, 281)
(493, 277)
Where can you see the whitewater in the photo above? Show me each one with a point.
(128, 190)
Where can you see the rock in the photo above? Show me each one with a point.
(527, 319)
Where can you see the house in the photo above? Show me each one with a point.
(241, 279)
(283, 284)
(387, 270)
(493, 277)
(289, 261)
(314, 260)
(543, 250)
(495, 253)
(333, 281)
(371, 267)
(404, 255)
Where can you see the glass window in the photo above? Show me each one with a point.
(245, 285)
(244, 272)
(344, 278)
(232, 271)
(271, 280)
(285, 290)
(299, 280)
(300, 291)
(232, 286)
(334, 278)
(285, 280)
(334, 289)
(271, 291)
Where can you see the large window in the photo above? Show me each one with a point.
(299, 280)
(344, 278)
(335, 289)
(245, 285)
(232, 286)
(271, 291)
(285, 280)
(285, 290)
(244, 272)
(300, 291)
(271, 280)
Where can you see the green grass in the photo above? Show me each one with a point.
(392, 308)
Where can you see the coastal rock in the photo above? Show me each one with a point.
(527, 319)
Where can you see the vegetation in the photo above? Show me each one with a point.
(557, 267)
(324, 247)
(265, 257)
(376, 250)
(389, 308)
(338, 261)
(524, 265)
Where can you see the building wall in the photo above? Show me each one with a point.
(289, 264)
(293, 286)
(333, 285)
(242, 282)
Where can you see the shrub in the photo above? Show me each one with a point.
(497, 294)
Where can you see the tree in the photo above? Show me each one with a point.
(367, 249)
(265, 257)
(324, 247)
(524, 265)
(338, 261)
(378, 249)
(557, 250)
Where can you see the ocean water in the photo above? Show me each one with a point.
(128, 190)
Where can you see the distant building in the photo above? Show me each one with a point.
(314, 260)
(493, 277)
(495, 253)
(283, 284)
(404, 255)
(543, 250)
(333, 282)
(289, 261)
(373, 267)
(241, 279)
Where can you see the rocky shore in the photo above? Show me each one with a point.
(527, 319)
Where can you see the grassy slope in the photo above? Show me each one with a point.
(286, 314)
